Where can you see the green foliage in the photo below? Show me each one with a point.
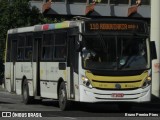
(18, 13)
(14, 14)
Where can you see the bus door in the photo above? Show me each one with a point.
(73, 61)
(13, 63)
(37, 55)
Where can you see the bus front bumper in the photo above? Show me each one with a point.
(96, 95)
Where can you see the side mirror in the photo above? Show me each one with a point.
(153, 50)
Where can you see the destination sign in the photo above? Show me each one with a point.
(105, 26)
(91, 26)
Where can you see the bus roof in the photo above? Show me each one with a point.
(43, 27)
(93, 22)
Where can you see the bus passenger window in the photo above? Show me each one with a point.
(20, 53)
(47, 53)
(28, 53)
(21, 41)
(60, 38)
(21, 44)
(28, 47)
(60, 52)
(60, 45)
(47, 46)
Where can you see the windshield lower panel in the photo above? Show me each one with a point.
(115, 53)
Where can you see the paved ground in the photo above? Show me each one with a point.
(13, 103)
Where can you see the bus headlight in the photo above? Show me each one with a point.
(86, 82)
(147, 82)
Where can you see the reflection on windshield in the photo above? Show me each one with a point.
(110, 52)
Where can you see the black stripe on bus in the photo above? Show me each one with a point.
(114, 89)
(124, 94)
(49, 80)
(26, 79)
(116, 98)
(116, 81)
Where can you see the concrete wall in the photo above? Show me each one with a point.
(155, 36)
(120, 10)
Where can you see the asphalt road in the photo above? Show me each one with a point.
(48, 109)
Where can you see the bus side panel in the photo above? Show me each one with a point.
(52, 74)
(43, 78)
(34, 66)
(30, 85)
(76, 88)
(8, 76)
(12, 77)
(19, 77)
(24, 69)
(28, 72)
(18, 87)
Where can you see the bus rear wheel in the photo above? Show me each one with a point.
(25, 93)
(64, 104)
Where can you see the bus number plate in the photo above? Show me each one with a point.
(117, 95)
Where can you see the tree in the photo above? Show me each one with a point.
(14, 14)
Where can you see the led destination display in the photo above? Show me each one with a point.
(120, 26)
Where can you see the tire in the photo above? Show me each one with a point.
(25, 93)
(64, 104)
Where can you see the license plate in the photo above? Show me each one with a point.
(117, 95)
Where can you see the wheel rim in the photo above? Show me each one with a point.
(25, 93)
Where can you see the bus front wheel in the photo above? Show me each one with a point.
(25, 93)
(62, 94)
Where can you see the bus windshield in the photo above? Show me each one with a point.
(102, 52)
